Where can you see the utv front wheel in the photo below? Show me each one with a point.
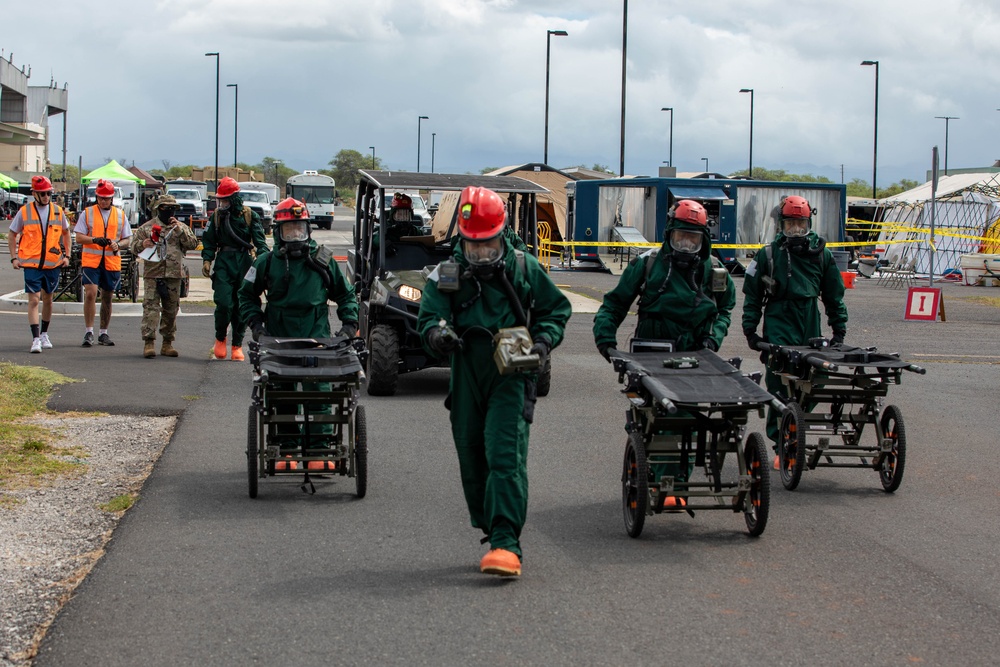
(383, 361)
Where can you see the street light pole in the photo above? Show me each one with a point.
(621, 162)
(236, 121)
(419, 119)
(706, 164)
(216, 174)
(875, 143)
(670, 157)
(433, 137)
(548, 53)
(373, 156)
(750, 90)
(946, 119)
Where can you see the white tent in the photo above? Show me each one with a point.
(967, 206)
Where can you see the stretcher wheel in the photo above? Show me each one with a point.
(758, 500)
(360, 452)
(252, 451)
(635, 485)
(891, 471)
(791, 446)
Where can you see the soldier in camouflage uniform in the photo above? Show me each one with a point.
(162, 280)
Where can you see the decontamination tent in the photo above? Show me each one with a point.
(967, 208)
(6, 182)
(112, 171)
(552, 204)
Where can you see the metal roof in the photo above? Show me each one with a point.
(406, 180)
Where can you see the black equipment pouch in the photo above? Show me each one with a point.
(448, 276)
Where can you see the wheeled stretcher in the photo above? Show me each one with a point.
(304, 419)
(690, 408)
(831, 394)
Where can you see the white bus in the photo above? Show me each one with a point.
(317, 191)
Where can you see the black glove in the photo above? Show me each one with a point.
(753, 339)
(541, 348)
(709, 344)
(605, 350)
(101, 241)
(442, 341)
(257, 328)
(348, 328)
(838, 338)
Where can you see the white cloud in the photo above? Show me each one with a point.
(316, 76)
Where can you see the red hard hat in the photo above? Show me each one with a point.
(289, 210)
(227, 187)
(481, 214)
(399, 200)
(690, 211)
(41, 184)
(105, 188)
(794, 206)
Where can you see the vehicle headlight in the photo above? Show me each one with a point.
(409, 293)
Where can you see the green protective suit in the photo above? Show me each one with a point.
(791, 313)
(232, 260)
(674, 305)
(490, 413)
(296, 308)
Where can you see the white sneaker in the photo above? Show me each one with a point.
(36, 345)
(46, 343)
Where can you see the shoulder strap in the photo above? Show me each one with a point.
(522, 263)
(650, 260)
(247, 217)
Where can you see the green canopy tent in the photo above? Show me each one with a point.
(6, 182)
(112, 171)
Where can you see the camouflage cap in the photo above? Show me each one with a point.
(165, 200)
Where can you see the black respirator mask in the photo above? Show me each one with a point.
(164, 214)
(797, 244)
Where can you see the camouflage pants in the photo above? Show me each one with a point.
(160, 309)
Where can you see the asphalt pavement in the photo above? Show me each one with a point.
(198, 573)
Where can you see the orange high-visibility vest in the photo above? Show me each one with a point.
(29, 246)
(92, 253)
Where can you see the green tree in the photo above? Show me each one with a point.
(345, 165)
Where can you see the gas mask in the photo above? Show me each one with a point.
(223, 204)
(295, 238)
(795, 227)
(686, 241)
(401, 215)
(483, 254)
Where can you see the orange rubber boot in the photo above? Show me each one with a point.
(237, 354)
(777, 462)
(220, 349)
(501, 562)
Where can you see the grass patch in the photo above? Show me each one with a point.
(993, 301)
(191, 397)
(119, 503)
(27, 453)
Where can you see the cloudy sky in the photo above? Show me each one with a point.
(316, 76)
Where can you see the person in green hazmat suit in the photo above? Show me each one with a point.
(486, 286)
(299, 277)
(685, 296)
(233, 237)
(784, 283)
